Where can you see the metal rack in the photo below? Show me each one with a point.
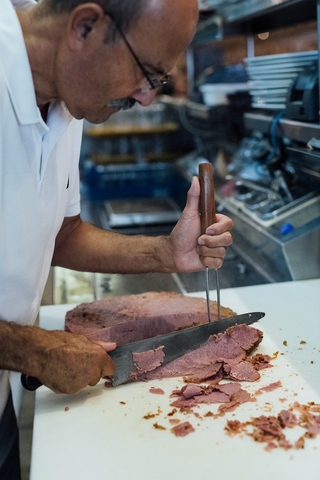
(253, 16)
(298, 131)
(269, 244)
(257, 15)
(261, 15)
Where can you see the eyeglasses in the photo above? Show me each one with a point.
(153, 82)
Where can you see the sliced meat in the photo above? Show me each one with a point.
(266, 428)
(261, 361)
(271, 429)
(191, 395)
(182, 429)
(230, 388)
(149, 360)
(191, 390)
(219, 351)
(244, 371)
(156, 391)
(128, 318)
(287, 419)
(271, 387)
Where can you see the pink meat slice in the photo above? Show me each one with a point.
(191, 390)
(192, 395)
(182, 429)
(219, 350)
(149, 360)
(128, 318)
(287, 419)
(230, 388)
(244, 371)
(210, 398)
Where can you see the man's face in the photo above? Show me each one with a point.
(101, 78)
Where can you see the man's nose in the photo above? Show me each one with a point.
(144, 97)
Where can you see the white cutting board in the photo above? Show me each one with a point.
(103, 435)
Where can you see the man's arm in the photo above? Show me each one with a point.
(62, 361)
(67, 362)
(81, 246)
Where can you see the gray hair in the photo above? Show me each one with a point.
(123, 12)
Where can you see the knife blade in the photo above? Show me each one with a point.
(173, 345)
(208, 217)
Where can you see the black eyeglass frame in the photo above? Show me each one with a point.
(154, 83)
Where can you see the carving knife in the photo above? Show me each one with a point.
(173, 345)
(208, 217)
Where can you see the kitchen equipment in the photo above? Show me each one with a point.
(208, 217)
(276, 215)
(173, 345)
(141, 211)
(303, 96)
(284, 245)
(137, 181)
(217, 93)
(271, 77)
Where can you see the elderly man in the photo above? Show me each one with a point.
(62, 61)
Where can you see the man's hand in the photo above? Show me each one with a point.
(192, 252)
(64, 362)
(73, 362)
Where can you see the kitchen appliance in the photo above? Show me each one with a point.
(303, 97)
(285, 248)
(141, 211)
(137, 195)
(272, 78)
(217, 93)
(276, 211)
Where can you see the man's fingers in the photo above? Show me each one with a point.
(107, 346)
(108, 368)
(193, 196)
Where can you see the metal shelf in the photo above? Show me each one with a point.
(298, 131)
(263, 15)
(253, 16)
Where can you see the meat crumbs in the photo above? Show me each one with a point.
(159, 427)
(271, 429)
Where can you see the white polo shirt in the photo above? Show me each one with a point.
(39, 180)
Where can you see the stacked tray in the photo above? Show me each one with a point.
(272, 75)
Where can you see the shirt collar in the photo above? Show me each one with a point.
(16, 67)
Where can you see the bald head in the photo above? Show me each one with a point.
(167, 27)
(124, 11)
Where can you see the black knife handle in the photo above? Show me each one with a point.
(30, 383)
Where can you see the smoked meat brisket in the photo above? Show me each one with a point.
(128, 318)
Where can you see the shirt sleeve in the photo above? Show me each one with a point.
(21, 4)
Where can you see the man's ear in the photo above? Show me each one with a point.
(82, 20)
